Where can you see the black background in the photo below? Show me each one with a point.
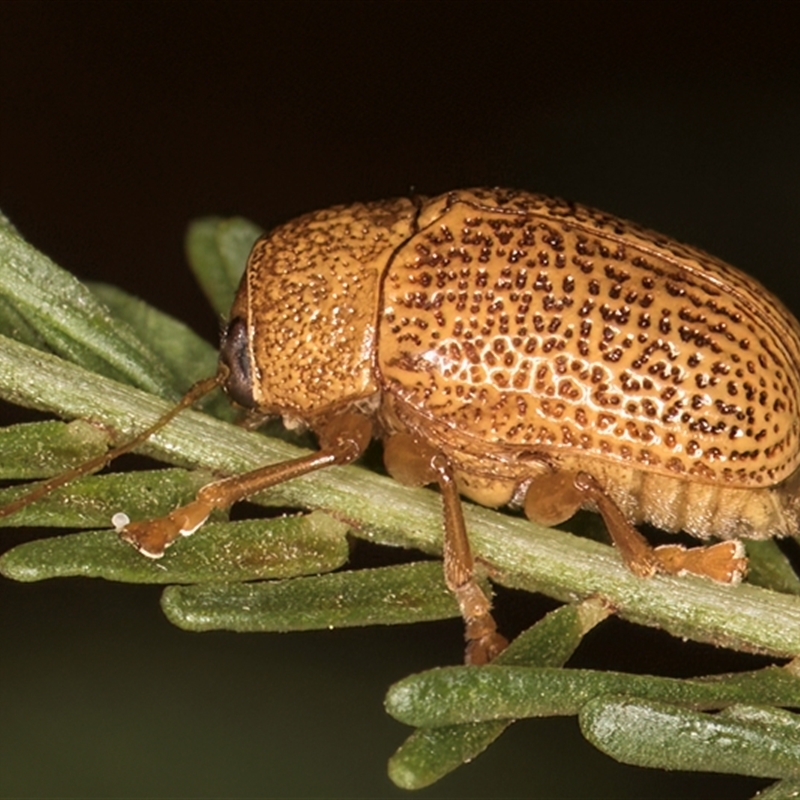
(120, 122)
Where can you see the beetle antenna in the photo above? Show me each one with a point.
(198, 390)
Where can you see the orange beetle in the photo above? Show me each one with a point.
(518, 349)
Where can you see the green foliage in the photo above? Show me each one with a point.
(114, 363)
(47, 308)
(217, 250)
(229, 551)
(382, 596)
(741, 739)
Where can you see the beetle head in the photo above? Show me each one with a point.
(234, 357)
(301, 338)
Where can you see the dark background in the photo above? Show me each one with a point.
(120, 122)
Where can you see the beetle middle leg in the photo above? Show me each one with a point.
(416, 463)
(341, 440)
(555, 497)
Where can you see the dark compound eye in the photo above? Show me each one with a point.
(235, 355)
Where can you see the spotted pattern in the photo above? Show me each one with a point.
(540, 326)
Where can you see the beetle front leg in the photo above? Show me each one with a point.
(415, 463)
(342, 440)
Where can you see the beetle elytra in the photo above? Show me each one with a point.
(520, 350)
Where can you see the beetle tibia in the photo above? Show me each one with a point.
(484, 643)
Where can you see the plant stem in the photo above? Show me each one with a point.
(515, 552)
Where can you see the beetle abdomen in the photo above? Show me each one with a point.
(696, 507)
(522, 323)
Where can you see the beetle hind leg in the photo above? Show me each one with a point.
(637, 553)
(417, 464)
(552, 498)
(555, 496)
(723, 562)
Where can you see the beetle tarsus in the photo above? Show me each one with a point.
(484, 642)
(150, 537)
(484, 650)
(153, 536)
(724, 562)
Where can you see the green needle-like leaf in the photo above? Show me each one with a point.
(92, 501)
(188, 357)
(769, 567)
(383, 596)
(462, 694)
(763, 743)
(14, 324)
(231, 551)
(782, 790)
(42, 449)
(431, 753)
(217, 250)
(70, 321)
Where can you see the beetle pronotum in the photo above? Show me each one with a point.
(517, 349)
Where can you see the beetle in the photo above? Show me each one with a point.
(520, 350)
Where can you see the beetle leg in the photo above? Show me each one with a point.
(415, 463)
(555, 496)
(635, 550)
(483, 640)
(342, 440)
(552, 498)
(723, 562)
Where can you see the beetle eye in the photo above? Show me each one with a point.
(234, 354)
